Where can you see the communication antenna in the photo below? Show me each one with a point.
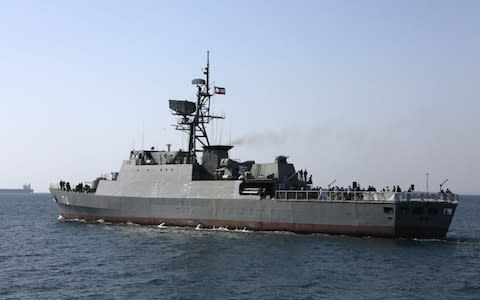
(143, 133)
(332, 183)
(427, 182)
(212, 131)
(230, 133)
(221, 134)
(441, 184)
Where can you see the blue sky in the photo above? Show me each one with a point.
(380, 92)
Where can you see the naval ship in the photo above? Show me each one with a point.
(26, 189)
(202, 187)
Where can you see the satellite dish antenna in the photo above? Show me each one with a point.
(198, 81)
(182, 107)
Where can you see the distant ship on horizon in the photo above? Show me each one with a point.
(26, 189)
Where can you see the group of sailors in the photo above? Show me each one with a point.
(65, 186)
(302, 176)
(394, 189)
(357, 188)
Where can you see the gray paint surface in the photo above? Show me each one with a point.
(367, 217)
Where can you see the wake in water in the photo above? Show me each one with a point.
(201, 227)
(451, 239)
(62, 219)
(447, 240)
(221, 228)
(130, 223)
(463, 239)
(102, 221)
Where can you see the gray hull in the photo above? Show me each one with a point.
(361, 218)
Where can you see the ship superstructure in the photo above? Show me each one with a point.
(203, 186)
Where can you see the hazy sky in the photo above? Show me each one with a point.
(380, 92)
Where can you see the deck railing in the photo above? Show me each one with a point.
(56, 186)
(363, 196)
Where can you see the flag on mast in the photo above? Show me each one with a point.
(219, 90)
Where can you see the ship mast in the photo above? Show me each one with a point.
(195, 116)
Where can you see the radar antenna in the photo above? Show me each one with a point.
(194, 116)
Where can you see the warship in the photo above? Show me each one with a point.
(203, 187)
(26, 189)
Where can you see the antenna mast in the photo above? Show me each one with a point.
(195, 115)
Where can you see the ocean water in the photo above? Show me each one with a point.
(42, 257)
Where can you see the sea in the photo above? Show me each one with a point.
(43, 257)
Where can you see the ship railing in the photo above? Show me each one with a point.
(424, 196)
(363, 196)
(56, 186)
